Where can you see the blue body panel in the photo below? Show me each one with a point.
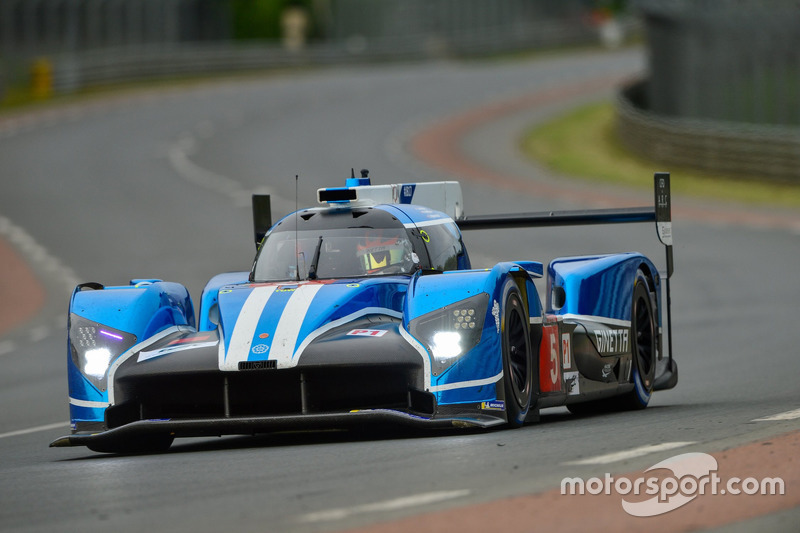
(141, 309)
(483, 363)
(211, 294)
(600, 286)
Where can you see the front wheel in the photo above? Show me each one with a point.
(517, 360)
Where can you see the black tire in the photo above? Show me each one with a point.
(644, 348)
(142, 444)
(517, 361)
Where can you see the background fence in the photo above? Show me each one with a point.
(87, 42)
(723, 89)
(733, 60)
(739, 149)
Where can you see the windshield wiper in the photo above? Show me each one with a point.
(312, 269)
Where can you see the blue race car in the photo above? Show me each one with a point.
(366, 309)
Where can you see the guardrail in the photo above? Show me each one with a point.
(72, 71)
(740, 149)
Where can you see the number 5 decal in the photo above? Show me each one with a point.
(549, 364)
(553, 359)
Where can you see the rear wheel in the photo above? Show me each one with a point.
(644, 349)
(643, 353)
(517, 361)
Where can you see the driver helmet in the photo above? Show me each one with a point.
(377, 253)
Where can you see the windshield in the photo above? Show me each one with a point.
(335, 253)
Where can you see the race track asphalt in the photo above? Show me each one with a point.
(156, 184)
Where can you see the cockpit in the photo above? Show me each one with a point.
(353, 243)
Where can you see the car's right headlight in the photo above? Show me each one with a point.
(94, 346)
(451, 331)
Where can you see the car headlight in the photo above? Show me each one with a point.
(94, 346)
(451, 331)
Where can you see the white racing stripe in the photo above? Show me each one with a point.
(395, 504)
(601, 319)
(245, 328)
(145, 355)
(629, 454)
(787, 415)
(426, 223)
(36, 429)
(288, 328)
(86, 403)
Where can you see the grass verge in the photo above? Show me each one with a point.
(583, 143)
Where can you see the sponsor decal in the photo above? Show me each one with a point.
(367, 332)
(572, 382)
(496, 315)
(606, 370)
(495, 405)
(353, 285)
(286, 289)
(264, 336)
(260, 348)
(566, 350)
(407, 193)
(609, 341)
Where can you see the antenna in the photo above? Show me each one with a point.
(296, 242)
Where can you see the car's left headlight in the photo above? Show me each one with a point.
(93, 347)
(451, 331)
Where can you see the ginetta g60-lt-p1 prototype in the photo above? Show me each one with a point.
(367, 309)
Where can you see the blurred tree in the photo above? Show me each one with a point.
(261, 19)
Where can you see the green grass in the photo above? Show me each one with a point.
(583, 143)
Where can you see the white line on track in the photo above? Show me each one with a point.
(178, 155)
(788, 415)
(387, 505)
(629, 454)
(36, 429)
(37, 255)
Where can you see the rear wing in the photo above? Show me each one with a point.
(660, 213)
